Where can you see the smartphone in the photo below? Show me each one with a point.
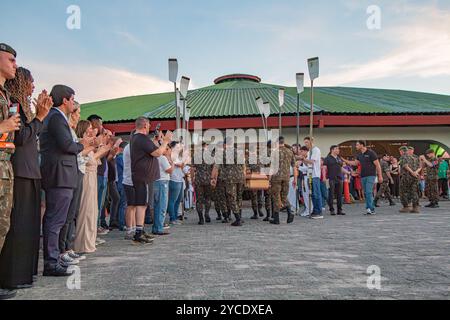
(14, 109)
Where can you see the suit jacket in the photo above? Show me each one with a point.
(25, 159)
(59, 166)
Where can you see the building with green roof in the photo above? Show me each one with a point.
(386, 118)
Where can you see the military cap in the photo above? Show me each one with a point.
(5, 48)
(404, 148)
(429, 151)
(410, 148)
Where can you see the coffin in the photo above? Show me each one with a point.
(257, 181)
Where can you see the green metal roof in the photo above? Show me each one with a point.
(237, 99)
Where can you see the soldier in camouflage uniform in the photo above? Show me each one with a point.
(431, 164)
(387, 178)
(203, 189)
(268, 203)
(280, 182)
(255, 195)
(8, 125)
(409, 182)
(231, 177)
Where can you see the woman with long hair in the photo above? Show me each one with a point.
(86, 224)
(19, 258)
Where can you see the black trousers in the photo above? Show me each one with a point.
(443, 185)
(67, 234)
(335, 192)
(20, 255)
(57, 207)
(114, 203)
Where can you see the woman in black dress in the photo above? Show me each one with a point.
(20, 254)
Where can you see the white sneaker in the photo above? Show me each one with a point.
(68, 260)
(99, 242)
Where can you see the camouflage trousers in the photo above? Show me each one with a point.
(227, 197)
(432, 190)
(384, 190)
(280, 191)
(203, 197)
(409, 191)
(256, 197)
(6, 199)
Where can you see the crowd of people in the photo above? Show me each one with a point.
(69, 181)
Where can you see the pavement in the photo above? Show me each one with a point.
(387, 256)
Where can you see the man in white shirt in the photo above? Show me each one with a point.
(161, 192)
(313, 160)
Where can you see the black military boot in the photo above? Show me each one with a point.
(201, 220)
(391, 202)
(375, 202)
(219, 215)
(429, 205)
(290, 218)
(207, 217)
(238, 222)
(255, 215)
(435, 205)
(276, 218)
(226, 217)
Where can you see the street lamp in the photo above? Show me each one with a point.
(184, 87)
(313, 66)
(300, 80)
(173, 76)
(281, 93)
(266, 113)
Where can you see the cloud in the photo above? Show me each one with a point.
(94, 83)
(422, 49)
(130, 38)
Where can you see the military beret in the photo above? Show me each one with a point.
(404, 148)
(5, 48)
(410, 148)
(429, 151)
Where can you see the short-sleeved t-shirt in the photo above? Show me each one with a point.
(144, 167)
(334, 167)
(164, 165)
(316, 156)
(368, 168)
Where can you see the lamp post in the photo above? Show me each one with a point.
(313, 66)
(300, 80)
(266, 113)
(184, 87)
(173, 75)
(260, 105)
(281, 93)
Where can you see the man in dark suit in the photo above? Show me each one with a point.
(59, 171)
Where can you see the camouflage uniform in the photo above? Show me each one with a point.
(230, 182)
(256, 195)
(280, 182)
(431, 182)
(384, 187)
(409, 185)
(6, 173)
(202, 184)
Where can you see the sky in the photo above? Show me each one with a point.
(122, 47)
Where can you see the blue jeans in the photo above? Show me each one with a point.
(175, 197)
(122, 204)
(324, 191)
(160, 192)
(102, 183)
(367, 184)
(317, 196)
